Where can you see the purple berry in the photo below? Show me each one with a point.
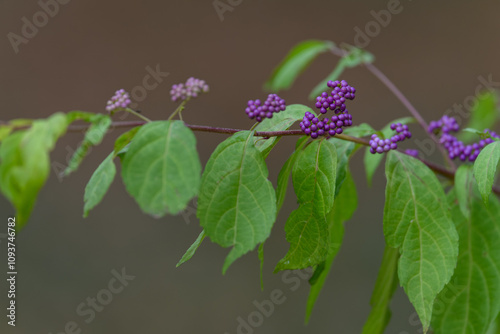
(273, 104)
(120, 100)
(191, 88)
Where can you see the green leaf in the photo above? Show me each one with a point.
(280, 122)
(161, 169)
(93, 137)
(237, 203)
(344, 150)
(361, 130)
(77, 115)
(483, 115)
(385, 286)
(481, 134)
(295, 62)
(357, 56)
(471, 301)
(192, 249)
(98, 184)
(485, 168)
(285, 171)
(261, 259)
(463, 188)
(354, 58)
(416, 220)
(124, 139)
(5, 130)
(343, 208)
(25, 163)
(372, 161)
(495, 327)
(314, 177)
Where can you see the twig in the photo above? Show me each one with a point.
(450, 174)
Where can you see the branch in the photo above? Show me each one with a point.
(450, 174)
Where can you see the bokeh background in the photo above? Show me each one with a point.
(434, 51)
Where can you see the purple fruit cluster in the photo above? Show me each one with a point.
(191, 88)
(120, 100)
(379, 145)
(315, 128)
(334, 101)
(456, 148)
(259, 111)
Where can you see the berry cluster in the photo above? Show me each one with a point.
(259, 111)
(191, 88)
(314, 127)
(120, 100)
(335, 101)
(378, 145)
(456, 148)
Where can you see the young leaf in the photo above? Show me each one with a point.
(372, 161)
(124, 139)
(485, 168)
(295, 62)
(416, 220)
(463, 188)
(354, 58)
(161, 169)
(483, 115)
(313, 176)
(471, 301)
(237, 203)
(280, 122)
(386, 284)
(343, 208)
(93, 137)
(25, 165)
(98, 184)
(285, 171)
(192, 249)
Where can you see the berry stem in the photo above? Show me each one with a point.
(179, 109)
(135, 113)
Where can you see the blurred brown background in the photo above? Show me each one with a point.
(434, 51)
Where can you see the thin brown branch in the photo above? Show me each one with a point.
(450, 174)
